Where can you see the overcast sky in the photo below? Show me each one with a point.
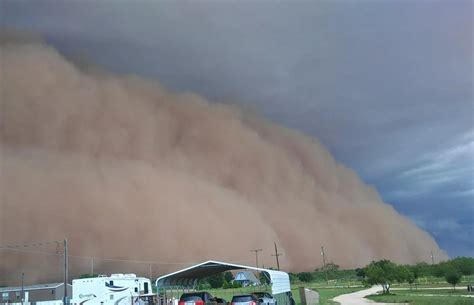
(387, 86)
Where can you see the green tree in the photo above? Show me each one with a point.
(360, 273)
(422, 269)
(453, 277)
(264, 278)
(216, 280)
(464, 265)
(383, 272)
(228, 276)
(332, 270)
(293, 277)
(405, 274)
(440, 270)
(305, 276)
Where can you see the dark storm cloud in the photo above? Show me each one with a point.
(387, 86)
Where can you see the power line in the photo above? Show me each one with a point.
(97, 258)
(103, 258)
(43, 243)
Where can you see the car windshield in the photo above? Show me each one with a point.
(191, 297)
(243, 298)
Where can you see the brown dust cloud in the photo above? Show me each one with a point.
(127, 169)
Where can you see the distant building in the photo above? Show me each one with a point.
(34, 293)
(246, 278)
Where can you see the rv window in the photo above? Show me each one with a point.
(136, 289)
(111, 296)
(52, 291)
(17, 295)
(111, 283)
(5, 296)
(146, 288)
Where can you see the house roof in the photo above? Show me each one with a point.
(246, 276)
(280, 281)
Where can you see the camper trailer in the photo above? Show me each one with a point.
(117, 289)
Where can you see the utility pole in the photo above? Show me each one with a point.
(276, 256)
(92, 266)
(256, 260)
(256, 255)
(65, 298)
(324, 263)
(22, 287)
(432, 258)
(151, 279)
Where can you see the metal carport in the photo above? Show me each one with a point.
(188, 277)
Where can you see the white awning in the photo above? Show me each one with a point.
(279, 280)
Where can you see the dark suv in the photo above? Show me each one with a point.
(197, 298)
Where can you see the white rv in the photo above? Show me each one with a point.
(117, 289)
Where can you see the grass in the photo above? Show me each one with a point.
(449, 292)
(326, 294)
(413, 297)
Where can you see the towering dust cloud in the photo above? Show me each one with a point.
(126, 169)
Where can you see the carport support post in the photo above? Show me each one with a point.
(22, 287)
(65, 298)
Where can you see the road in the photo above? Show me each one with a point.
(358, 297)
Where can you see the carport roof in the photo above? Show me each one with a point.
(280, 280)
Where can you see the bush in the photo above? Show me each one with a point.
(203, 286)
(236, 285)
(226, 285)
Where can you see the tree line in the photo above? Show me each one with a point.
(385, 273)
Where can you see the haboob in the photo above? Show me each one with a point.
(125, 168)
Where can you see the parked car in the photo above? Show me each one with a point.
(197, 298)
(265, 298)
(221, 301)
(246, 299)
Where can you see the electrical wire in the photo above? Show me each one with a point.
(8, 248)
